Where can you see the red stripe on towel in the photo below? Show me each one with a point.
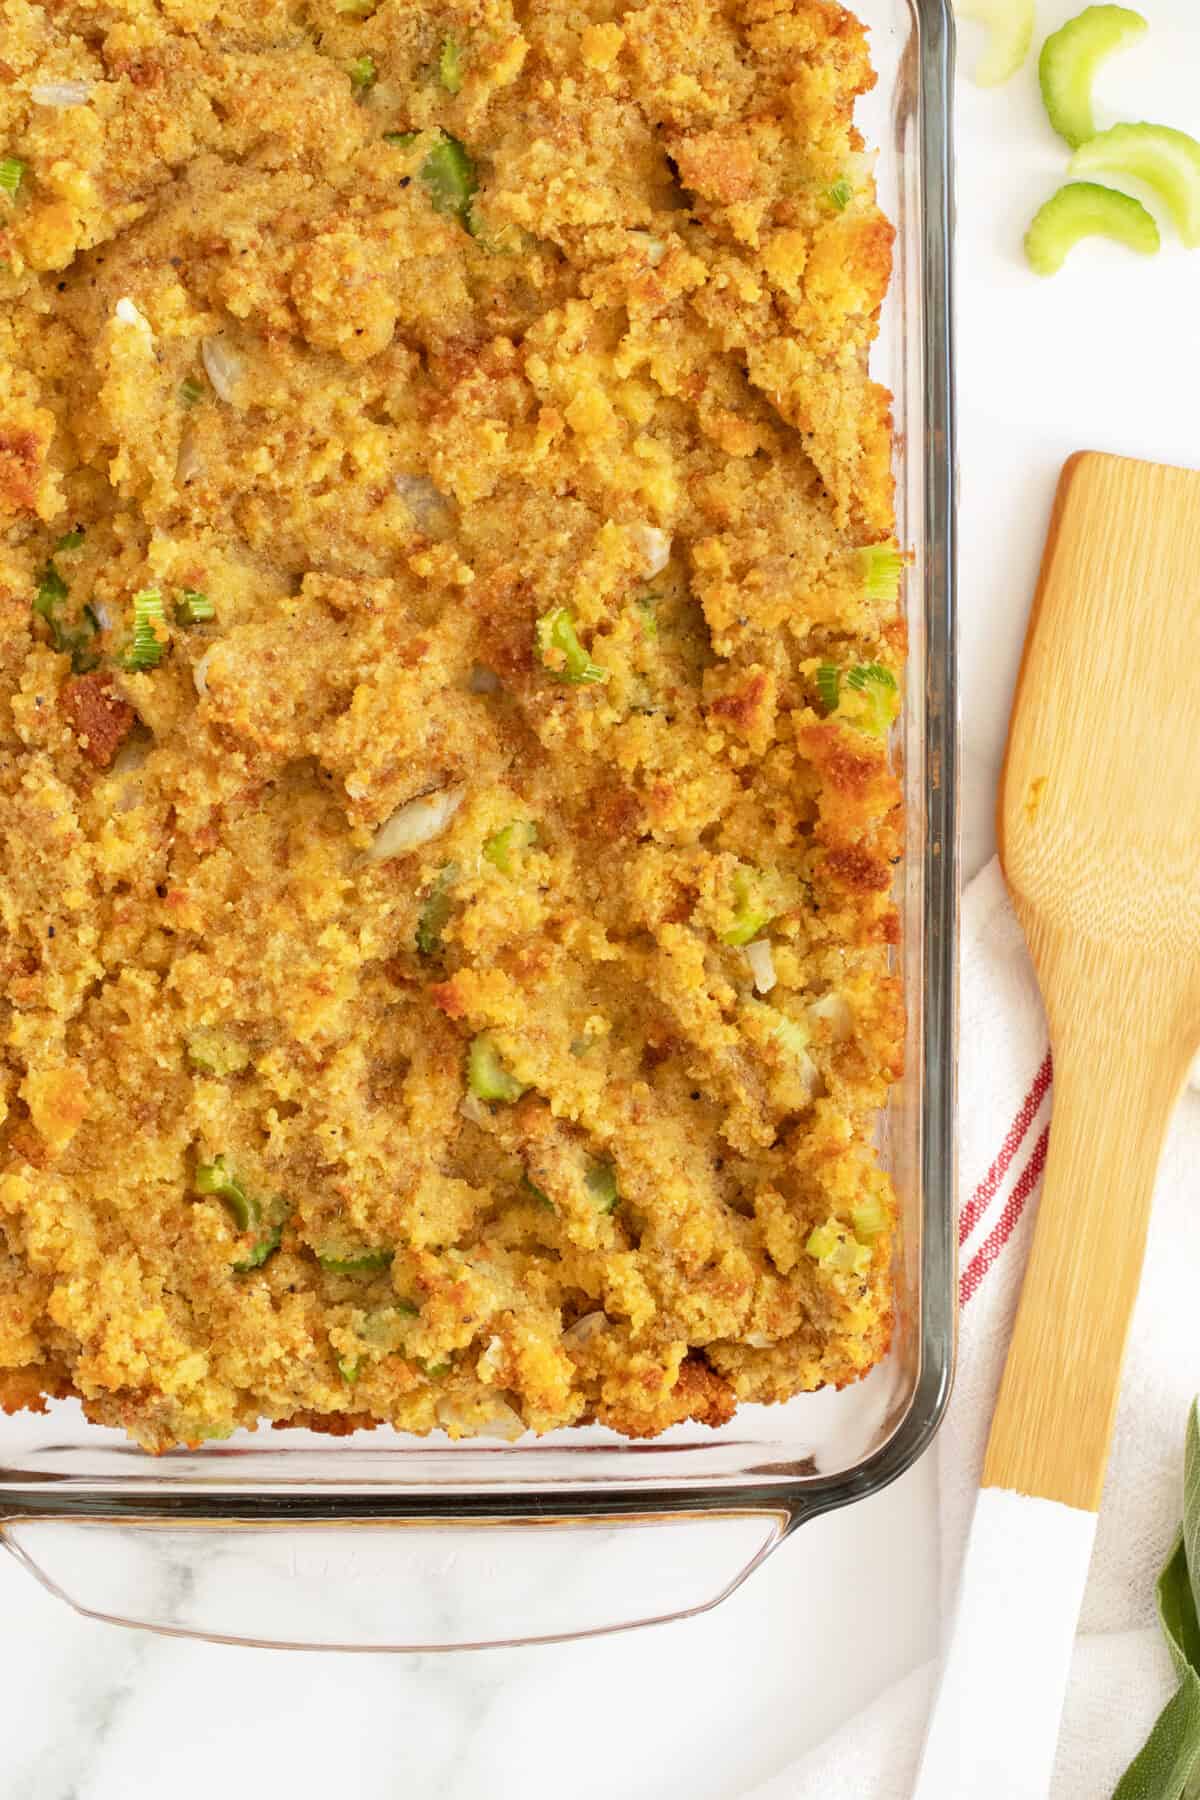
(982, 1261)
(977, 1205)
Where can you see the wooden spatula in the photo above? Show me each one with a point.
(1099, 824)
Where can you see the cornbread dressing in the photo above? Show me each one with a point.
(448, 638)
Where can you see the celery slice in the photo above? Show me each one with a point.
(1069, 61)
(487, 1077)
(450, 66)
(218, 1179)
(561, 652)
(435, 914)
(751, 914)
(508, 842)
(1010, 33)
(1168, 161)
(360, 1262)
(1084, 209)
(882, 566)
(449, 178)
(601, 1184)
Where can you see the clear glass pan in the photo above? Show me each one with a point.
(382, 1542)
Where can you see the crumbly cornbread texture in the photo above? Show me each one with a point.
(495, 375)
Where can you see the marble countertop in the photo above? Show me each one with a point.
(1106, 356)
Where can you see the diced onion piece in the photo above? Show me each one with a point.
(653, 547)
(471, 1107)
(651, 247)
(462, 1418)
(415, 823)
(484, 681)
(60, 93)
(833, 1009)
(592, 1325)
(191, 460)
(490, 1359)
(128, 314)
(762, 964)
(758, 1340)
(426, 503)
(222, 365)
(200, 669)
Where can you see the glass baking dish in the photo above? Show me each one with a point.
(383, 1542)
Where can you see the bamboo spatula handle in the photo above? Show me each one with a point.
(995, 1721)
(1120, 1059)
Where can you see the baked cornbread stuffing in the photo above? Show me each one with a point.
(448, 639)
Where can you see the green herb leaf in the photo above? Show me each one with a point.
(1167, 1767)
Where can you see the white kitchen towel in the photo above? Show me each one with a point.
(1121, 1674)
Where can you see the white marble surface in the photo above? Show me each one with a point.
(1105, 356)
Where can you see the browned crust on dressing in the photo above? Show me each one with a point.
(243, 354)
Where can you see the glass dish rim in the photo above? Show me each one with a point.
(172, 1498)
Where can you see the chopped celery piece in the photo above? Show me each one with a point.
(790, 1033)
(869, 1219)
(822, 1242)
(450, 66)
(536, 1193)
(194, 608)
(872, 699)
(359, 1262)
(349, 1368)
(149, 641)
(1084, 209)
(362, 73)
(829, 686)
(70, 540)
(215, 1052)
(503, 845)
(12, 170)
(750, 913)
(218, 1178)
(834, 1250)
(1168, 161)
(435, 914)
(435, 1370)
(562, 653)
(1069, 61)
(648, 608)
(601, 1184)
(840, 195)
(402, 140)
(487, 1077)
(190, 390)
(448, 177)
(1010, 33)
(266, 1246)
(881, 568)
